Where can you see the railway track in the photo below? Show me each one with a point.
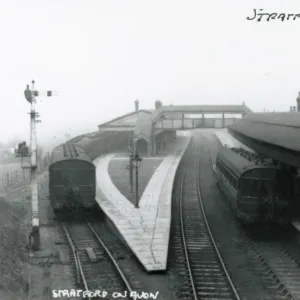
(47, 279)
(279, 267)
(204, 268)
(103, 273)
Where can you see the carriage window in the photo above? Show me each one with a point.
(234, 183)
(297, 186)
(222, 169)
(226, 174)
(250, 188)
(230, 179)
(266, 189)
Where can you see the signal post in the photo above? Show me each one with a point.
(23, 151)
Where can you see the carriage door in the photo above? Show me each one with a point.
(267, 198)
(296, 200)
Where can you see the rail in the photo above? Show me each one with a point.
(233, 288)
(258, 254)
(78, 273)
(207, 263)
(120, 272)
(183, 235)
(47, 279)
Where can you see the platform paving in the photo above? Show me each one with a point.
(145, 229)
(227, 139)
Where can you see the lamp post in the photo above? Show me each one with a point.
(130, 151)
(131, 172)
(137, 160)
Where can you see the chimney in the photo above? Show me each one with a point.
(298, 102)
(136, 102)
(158, 104)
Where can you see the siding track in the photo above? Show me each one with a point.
(104, 274)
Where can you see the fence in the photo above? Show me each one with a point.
(12, 175)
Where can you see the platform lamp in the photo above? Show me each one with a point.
(130, 167)
(136, 162)
(131, 158)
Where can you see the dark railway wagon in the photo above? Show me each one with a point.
(72, 179)
(250, 185)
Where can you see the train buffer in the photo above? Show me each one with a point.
(91, 254)
(63, 257)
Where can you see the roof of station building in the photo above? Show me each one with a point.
(128, 119)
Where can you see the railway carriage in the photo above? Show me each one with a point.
(72, 179)
(250, 185)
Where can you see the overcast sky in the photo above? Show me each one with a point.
(100, 55)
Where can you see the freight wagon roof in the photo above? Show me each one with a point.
(68, 151)
(278, 129)
(237, 163)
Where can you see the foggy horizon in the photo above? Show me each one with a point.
(100, 56)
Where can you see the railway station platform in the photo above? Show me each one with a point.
(145, 229)
(296, 224)
(275, 135)
(227, 139)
